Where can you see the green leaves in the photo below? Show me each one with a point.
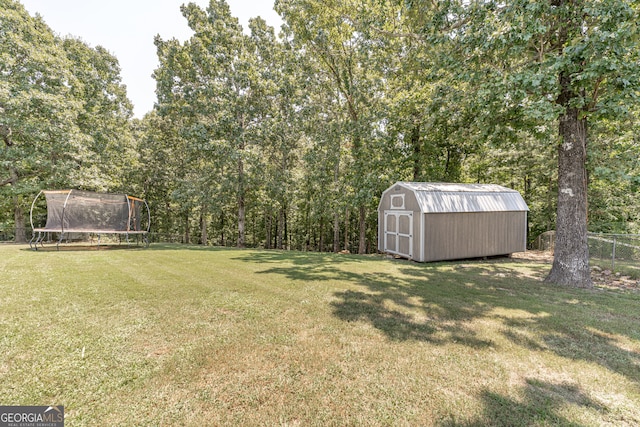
(310, 127)
(66, 109)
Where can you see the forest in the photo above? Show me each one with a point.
(285, 138)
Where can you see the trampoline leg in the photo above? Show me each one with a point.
(59, 241)
(40, 240)
(33, 243)
(33, 238)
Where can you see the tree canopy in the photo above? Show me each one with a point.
(286, 138)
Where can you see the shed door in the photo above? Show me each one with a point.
(398, 233)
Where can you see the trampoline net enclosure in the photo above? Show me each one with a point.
(75, 211)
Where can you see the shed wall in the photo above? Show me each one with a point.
(410, 204)
(473, 234)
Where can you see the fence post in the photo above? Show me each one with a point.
(613, 255)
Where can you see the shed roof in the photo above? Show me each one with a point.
(452, 198)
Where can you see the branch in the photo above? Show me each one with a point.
(7, 181)
(5, 132)
(594, 95)
(15, 177)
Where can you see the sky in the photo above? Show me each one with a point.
(126, 28)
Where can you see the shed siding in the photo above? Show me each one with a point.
(476, 234)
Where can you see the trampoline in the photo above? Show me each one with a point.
(86, 212)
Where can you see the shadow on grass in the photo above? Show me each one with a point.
(317, 261)
(539, 406)
(435, 302)
(397, 325)
(268, 256)
(444, 300)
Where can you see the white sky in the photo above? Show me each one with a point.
(126, 28)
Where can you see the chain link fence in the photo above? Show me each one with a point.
(608, 250)
(615, 251)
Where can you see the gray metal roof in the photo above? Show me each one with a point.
(451, 198)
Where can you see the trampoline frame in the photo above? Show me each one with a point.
(40, 233)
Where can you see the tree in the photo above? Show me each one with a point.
(162, 156)
(568, 62)
(65, 114)
(212, 80)
(278, 124)
(103, 117)
(326, 32)
(614, 175)
(42, 143)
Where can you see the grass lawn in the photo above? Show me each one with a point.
(175, 335)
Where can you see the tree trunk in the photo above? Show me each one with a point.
(241, 178)
(453, 165)
(187, 235)
(417, 152)
(241, 221)
(571, 256)
(267, 240)
(346, 229)
(222, 224)
(336, 232)
(21, 235)
(285, 228)
(203, 226)
(307, 221)
(279, 241)
(362, 247)
(241, 204)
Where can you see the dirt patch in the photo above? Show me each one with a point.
(604, 278)
(535, 256)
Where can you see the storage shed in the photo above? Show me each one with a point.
(425, 221)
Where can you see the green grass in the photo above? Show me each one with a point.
(188, 336)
